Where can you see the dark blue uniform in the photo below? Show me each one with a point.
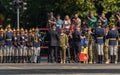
(113, 36)
(99, 35)
(9, 44)
(2, 42)
(36, 48)
(23, 50)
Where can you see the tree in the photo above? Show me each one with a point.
(36, 13)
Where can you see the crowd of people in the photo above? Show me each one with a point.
(69, 36)
(65, 40)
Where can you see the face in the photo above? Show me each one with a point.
(78, 29)
(67, 17)
(62, 31)
(22, 32)
(58, 17)
(54, 27)
(9, 29)
(91, 14)
(103, 15)
(76, 15)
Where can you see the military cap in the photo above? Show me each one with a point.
(36, 30)
(8, 26)
(21, 29)
(5, 30)
(17, 30)
(1, 30)
(33, 29)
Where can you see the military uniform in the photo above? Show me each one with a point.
(2, 43)
(63, 45)
(99, 35)
(22, 50)
(106, 46)
(29, 46)
(9, 43)
(36, 47)
(113, 37)
(15, 48)
(90, 48)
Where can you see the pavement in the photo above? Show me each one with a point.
(58, 69)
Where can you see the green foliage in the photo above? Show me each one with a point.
(36, 14)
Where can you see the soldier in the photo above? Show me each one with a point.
(90, 39)
(63, 45)
(106, 46)
(25, 52)
(36, 46)
(14, 45)
(22, 46)
(9, 44)
(2, 43)
(4, 47)
(29, 46)
(113, 37)
(99, 35)
(18, 55)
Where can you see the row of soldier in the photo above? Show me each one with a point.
(19, 46)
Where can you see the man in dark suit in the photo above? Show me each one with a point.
(76, 40)
(53, 43)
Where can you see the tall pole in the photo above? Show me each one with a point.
(18, 11)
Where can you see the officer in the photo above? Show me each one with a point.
(106, 46)
(22, 46)
(4, 47)
(63, 45)
(2, 43)
(99, 35)
(29, 46)
(18, 55)
(14, 45)
(8, 39)
(113, 37)
(90, 45)
(26, 47)
(36, 46)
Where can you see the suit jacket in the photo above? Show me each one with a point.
(53, 38)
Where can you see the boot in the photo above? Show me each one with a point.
(5, 59)
(99, 59)
(18, 59)
(111, 59)
(115, 61)
(21, 59)
(0, 59)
